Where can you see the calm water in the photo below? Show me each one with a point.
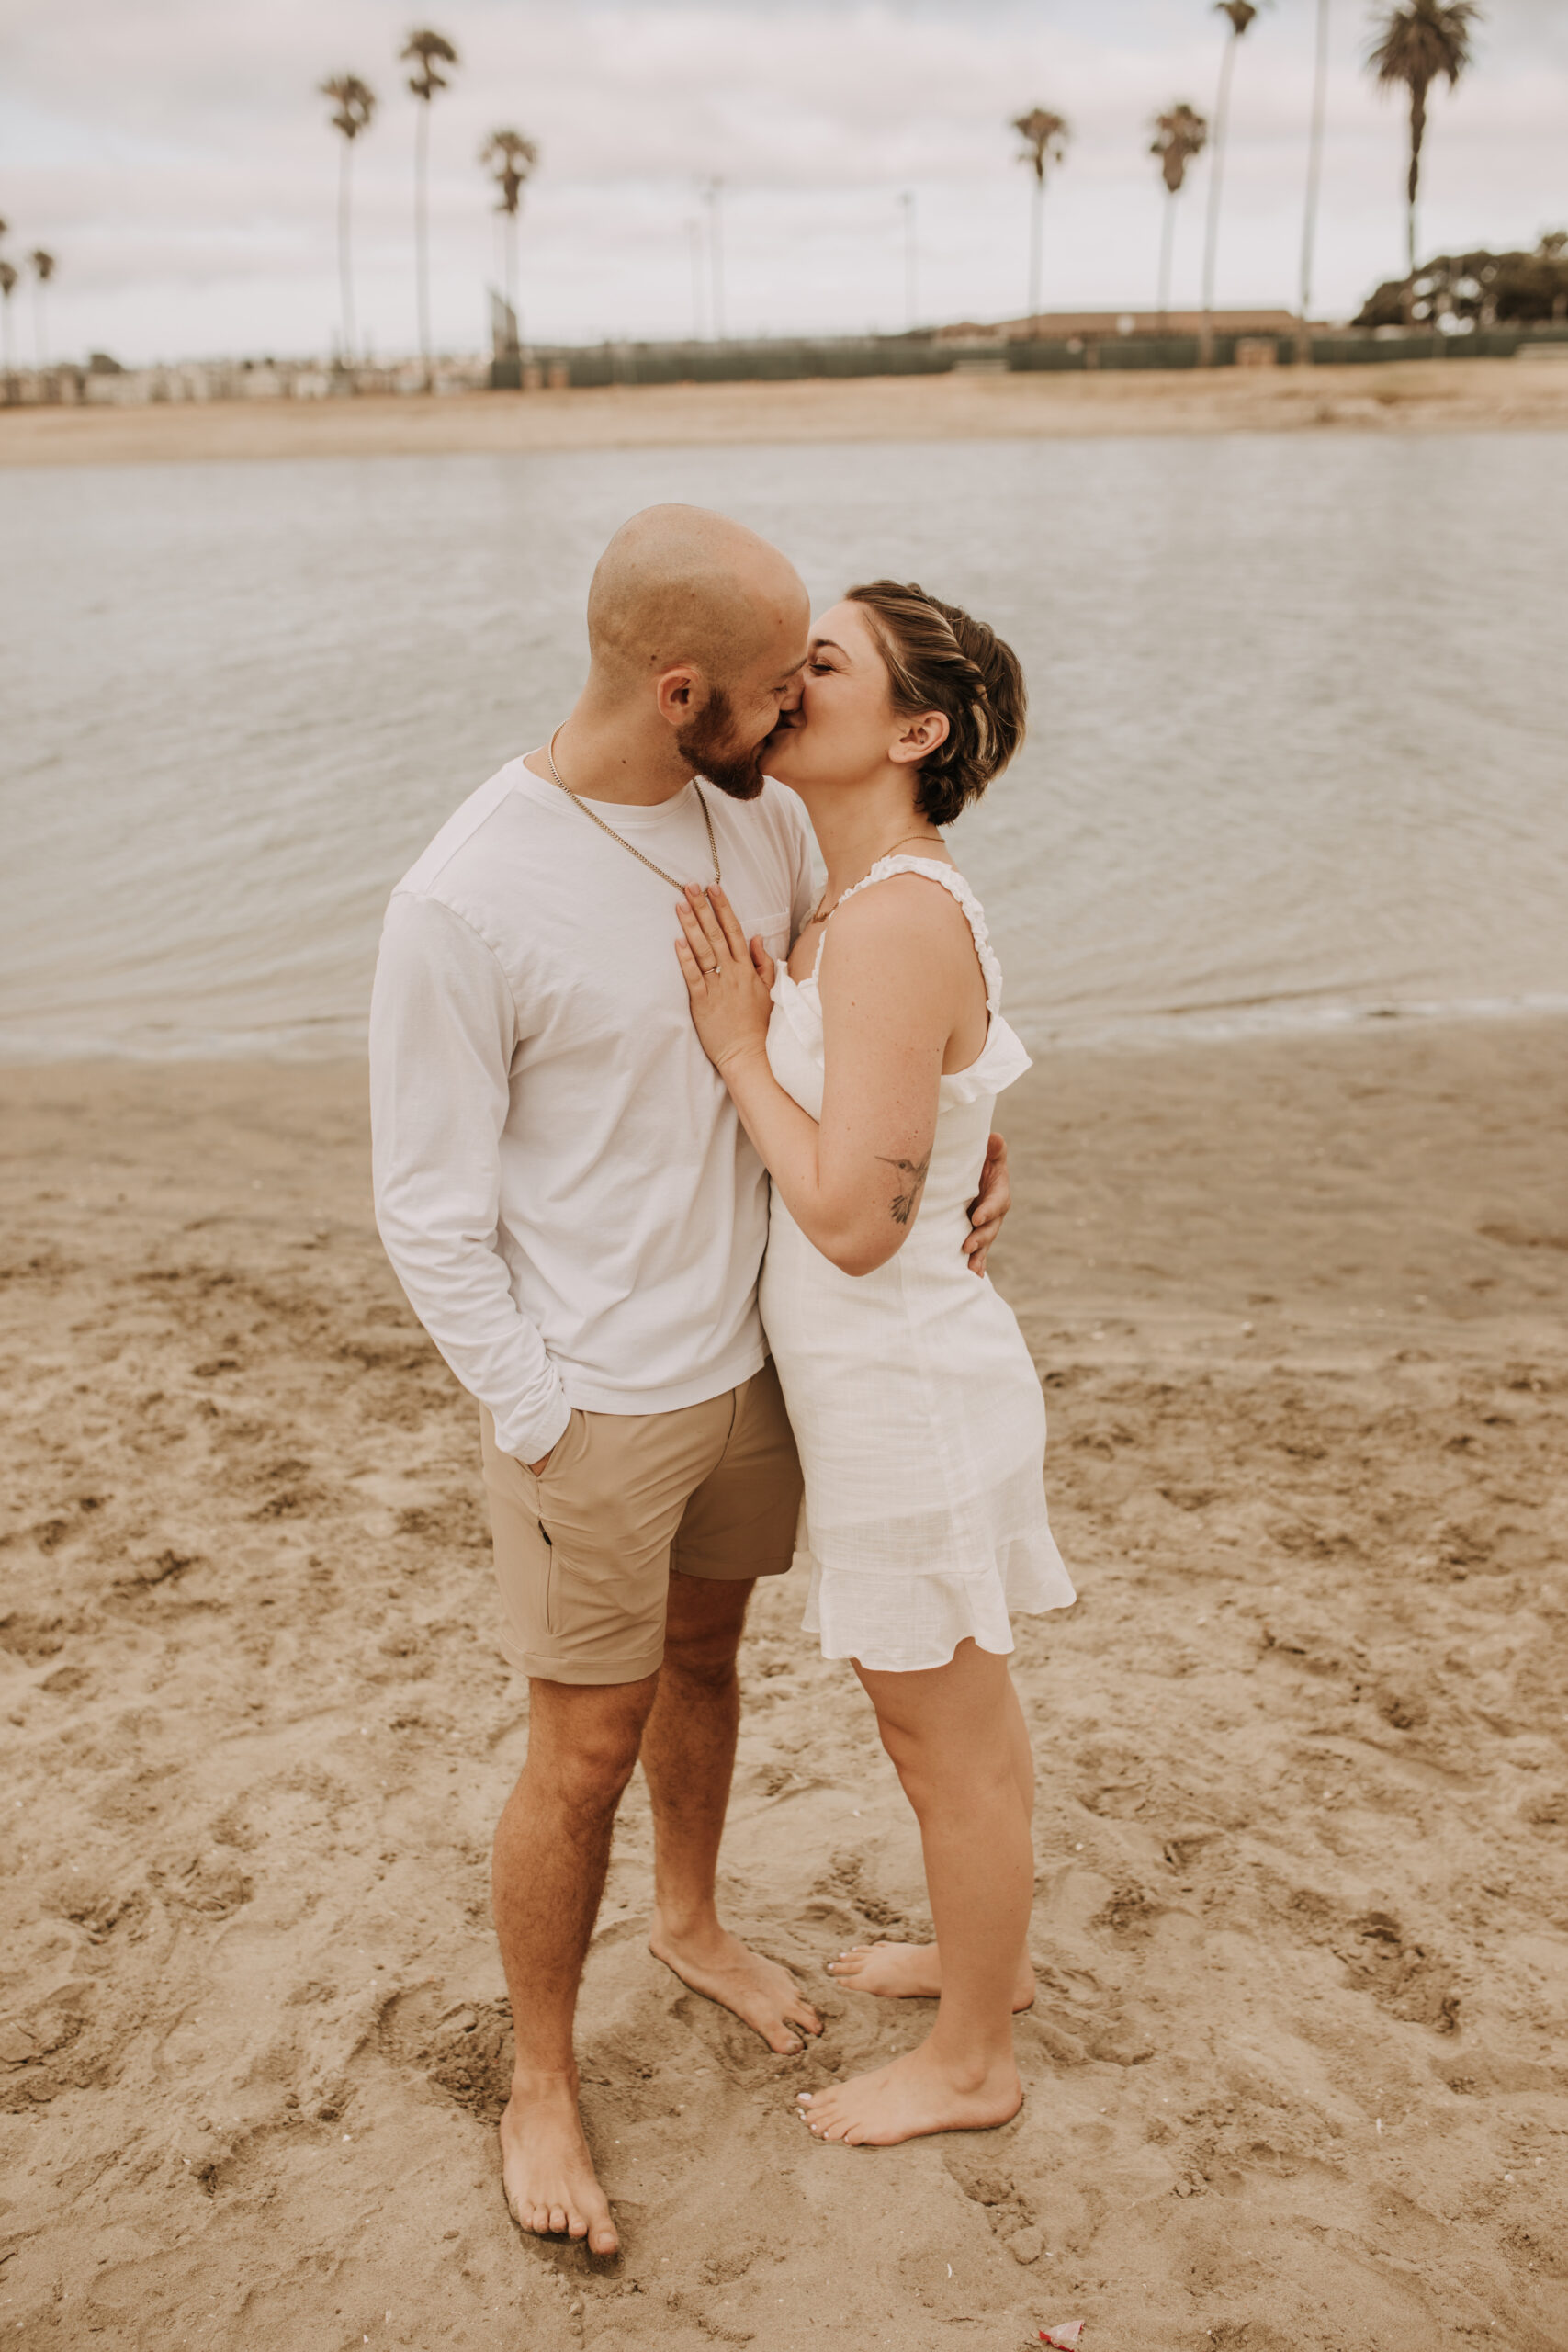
(1296, 752)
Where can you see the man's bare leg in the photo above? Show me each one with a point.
(552, 1850)
(906, 1972)
(688, 1754)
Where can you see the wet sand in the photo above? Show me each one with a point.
(1296, 2075)
(1450, 395)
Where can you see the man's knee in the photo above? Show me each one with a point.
(583, 1741)
(703, 1630)
(703, 1660)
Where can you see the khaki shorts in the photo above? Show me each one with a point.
(583, 1551)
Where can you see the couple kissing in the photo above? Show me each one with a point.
(686, 1166)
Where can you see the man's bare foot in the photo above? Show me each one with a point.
(911, 1972)
(548, 2174)
(915, 2095)
(762, 1993)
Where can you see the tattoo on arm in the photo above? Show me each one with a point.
(913, 1173)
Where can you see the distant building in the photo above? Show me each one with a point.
(1063, 326)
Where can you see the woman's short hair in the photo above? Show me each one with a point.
(940, 658)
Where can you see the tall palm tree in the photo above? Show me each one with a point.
(1179, 137)
(1045, 137)
(1315, 154)
(7, 288)
(427, 52)
(354, 104)
(510, 159)
(1417, 44)
(1239, 14)
(43, 270)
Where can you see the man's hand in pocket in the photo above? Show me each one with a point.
(543, 1464)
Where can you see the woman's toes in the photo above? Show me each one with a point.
(603, 2239)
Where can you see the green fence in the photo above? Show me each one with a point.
(1360, 350)
(790, 362)
(743, 363)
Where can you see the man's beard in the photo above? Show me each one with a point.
(705, 743)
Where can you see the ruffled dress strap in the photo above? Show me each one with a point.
(952, 882)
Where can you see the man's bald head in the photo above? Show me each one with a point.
(678, 585)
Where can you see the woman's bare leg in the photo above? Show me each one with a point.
(904, 1972)
(955, 1745)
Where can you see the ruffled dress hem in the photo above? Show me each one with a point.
(848, 1609)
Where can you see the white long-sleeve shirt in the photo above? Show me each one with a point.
(562, 1184)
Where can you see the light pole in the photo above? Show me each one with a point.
(712, 194)
(695, 239)
(1314, 156)
(911, 261)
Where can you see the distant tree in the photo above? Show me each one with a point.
(1239, 14)
(354, 109)
(44, 267)
(1180, 138)
(1419, 43)
(427, 52)
(1045, 137)
(510, 160)
(1458, 291)
(7, 288)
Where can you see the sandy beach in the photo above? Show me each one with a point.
(1450, 395)
(1295, 2075)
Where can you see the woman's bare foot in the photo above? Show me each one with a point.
(911, 1972)
(760, 1992)
(916, 2093)
(547, 2173)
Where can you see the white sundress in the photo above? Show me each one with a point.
(915, 1405)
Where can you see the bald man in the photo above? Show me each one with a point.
(578, 1219)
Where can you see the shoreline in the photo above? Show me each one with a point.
(1420, 396)
(1301, 1311)
(1154, 1035)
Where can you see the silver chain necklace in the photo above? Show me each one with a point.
(603, 828)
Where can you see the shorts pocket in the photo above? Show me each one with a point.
(547, 1485)
(563, 1454)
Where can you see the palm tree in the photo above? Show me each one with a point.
(1417, 44)
(7, 288)
(353, 103)
(510, 159)
(1240, 14)
(1179, 137)
(427, 52)
(1314, 156)
(43, 270)
(1045, 137)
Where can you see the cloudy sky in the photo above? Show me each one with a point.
(176, 157)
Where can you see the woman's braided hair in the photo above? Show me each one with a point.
(940, 658)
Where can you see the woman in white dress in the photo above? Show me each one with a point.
(866, 1073)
